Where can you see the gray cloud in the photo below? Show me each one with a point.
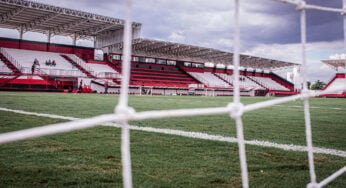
(209, 23)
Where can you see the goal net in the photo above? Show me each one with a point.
(123, 113)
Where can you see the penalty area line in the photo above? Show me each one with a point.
(197, 135)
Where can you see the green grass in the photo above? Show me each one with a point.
(91, 158)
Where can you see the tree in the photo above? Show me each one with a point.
(318, 85)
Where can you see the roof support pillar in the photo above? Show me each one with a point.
(21, 33)
(49, 37)
(74, 38)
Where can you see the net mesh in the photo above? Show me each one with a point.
(123, 113)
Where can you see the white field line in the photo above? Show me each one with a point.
(313, 107)
(39, 114)
(198, 135)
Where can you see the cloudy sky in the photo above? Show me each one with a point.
(268, 28)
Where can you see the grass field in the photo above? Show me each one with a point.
(91, 158)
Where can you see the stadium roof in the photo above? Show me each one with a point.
(335, 63)
(155, 48)
(39, 17)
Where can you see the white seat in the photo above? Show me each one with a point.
(269, 83)
(26, 59)
(245, 83)
(209, 79)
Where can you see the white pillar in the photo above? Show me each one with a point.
(297, 80)
(49, 36)
(74, 39)
(21, 33)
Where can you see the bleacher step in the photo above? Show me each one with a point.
(9, 64)
(78, 66)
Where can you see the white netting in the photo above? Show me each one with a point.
(123, 113)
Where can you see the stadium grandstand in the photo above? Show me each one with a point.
(338, 63)
(158, 67)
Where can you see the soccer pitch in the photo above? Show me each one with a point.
(91, 158)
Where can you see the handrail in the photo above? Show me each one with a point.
(81, 63)
(4, 68)
(41, 71)
(282, 80)
(202, 80)
(102, 82)
(54, 72)
(11, 59)
(108, 75)
(330, 82)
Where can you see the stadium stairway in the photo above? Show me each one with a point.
(9, 64)
(338, 80)
(112, 65)
(116, 65)
(47, 78)
(337, 76)
(223, 79)
(282, 81)
(78, 66)
(187, 73)
(330, 82)
(257, 82)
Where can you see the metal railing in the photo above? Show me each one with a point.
(53, 72)
(11, 59)
(108, 75)
(81, 63)
(5, 69)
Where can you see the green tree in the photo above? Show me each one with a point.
(318, 85)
